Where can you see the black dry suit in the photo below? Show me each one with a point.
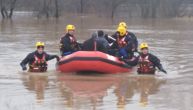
(68, 44)
(147, 64)
(37, 62)
(134, 40)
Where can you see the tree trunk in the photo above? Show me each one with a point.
(2, 9)
(45, 9)
(112, 13)
(12, 6)
(4, 12)
(56, 9)
(154, 6)
(114, 6)
(81, 6)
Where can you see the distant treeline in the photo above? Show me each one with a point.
(109, 8)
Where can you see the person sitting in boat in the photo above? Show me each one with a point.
(115, 41)
(96, 43)
(147, 62)
(124, 44)
(68, 43)
(37, 60)
(131, 35)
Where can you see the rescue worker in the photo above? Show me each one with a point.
(37, 60)
(132, 39)
(68, 43)
(96, 43)
(147, 62)
(124, 43)
(130, 34)
(112, 39)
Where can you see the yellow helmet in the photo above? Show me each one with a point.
(70, 27)
(123, 24)
(39, 44)
(143, 45)
(122, 30)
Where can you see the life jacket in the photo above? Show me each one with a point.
(121, 42)
(72, 41)
(145, 66)
(39, 64)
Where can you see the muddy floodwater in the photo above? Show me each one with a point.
(169, 39)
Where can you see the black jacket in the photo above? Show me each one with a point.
(101, 44)
(29, 59)
(68, 43)
(154, 60)
(134, 40)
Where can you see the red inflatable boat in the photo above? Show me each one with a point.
(91, 61)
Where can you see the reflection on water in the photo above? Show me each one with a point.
(169, 39)
(36, 83)
(80, 91)
(148, 86)
(143, 86)
(94, 92)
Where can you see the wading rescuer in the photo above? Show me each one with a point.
(37, 60)
(68, 43)
(147, 62)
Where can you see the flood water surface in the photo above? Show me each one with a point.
(170, 40)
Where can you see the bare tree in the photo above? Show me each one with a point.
(144, 8)
(148, 8)
(48, 8)
(7, 8)
(114, 5)
(4, 12)
(12, 7)
(56, 9)
(171, 8)
(44, 9)
(81, 6)
(154, 7)
(109, 8)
